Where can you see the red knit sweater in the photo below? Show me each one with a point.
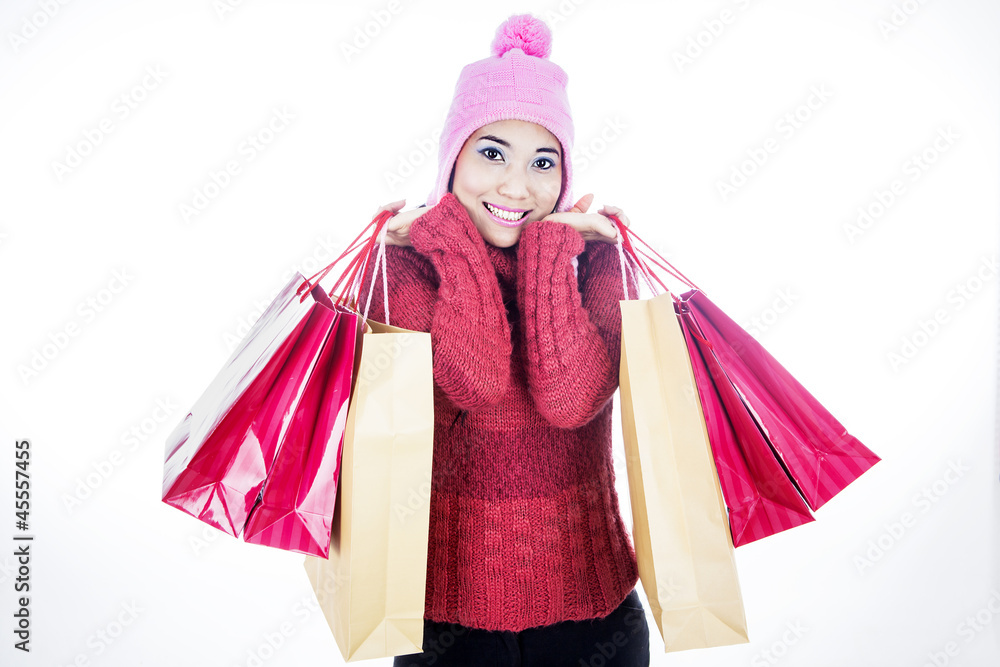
(525, 528)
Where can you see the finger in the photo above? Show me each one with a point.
(615, 211)
(555, 217)
(393, 206)
(612, 229)
(583, 204)
(602, 228)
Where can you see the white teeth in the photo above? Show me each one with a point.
(505, 215)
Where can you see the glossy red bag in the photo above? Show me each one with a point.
(778, 451)
(295, 510)
(257, 455)
(821, 457)
(761, 498)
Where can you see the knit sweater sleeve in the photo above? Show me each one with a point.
(470, 335)
(572, 328)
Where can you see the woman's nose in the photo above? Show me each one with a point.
(513, 185)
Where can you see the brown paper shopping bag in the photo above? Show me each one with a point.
(372, 587)
(682, 540)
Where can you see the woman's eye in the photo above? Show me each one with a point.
(491, 153)
(544, 163)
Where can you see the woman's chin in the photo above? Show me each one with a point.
(495, 234)
(506, 239)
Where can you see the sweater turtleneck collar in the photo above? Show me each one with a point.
(504, 261)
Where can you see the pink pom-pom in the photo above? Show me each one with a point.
(525, 32)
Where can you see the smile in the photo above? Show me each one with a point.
(505, 217)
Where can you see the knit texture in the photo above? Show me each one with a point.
(525, 527)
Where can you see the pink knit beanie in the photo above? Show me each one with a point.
(517, 83)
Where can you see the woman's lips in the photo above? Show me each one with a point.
(504, 208)
(501, 221)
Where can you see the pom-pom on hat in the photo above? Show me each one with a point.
(518, 82)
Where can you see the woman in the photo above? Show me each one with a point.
(529, 561)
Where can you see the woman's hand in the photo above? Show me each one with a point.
(592, 226)
(397, 228)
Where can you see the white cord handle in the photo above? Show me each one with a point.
(622, 263)
(622, 260)
(380, 260)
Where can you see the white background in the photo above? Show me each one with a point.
(661, 135)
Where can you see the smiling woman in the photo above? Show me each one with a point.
(528, 560)
(508, 174)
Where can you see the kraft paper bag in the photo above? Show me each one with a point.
(682, 540)
(372, 587)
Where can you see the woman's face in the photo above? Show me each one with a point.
(508, 175)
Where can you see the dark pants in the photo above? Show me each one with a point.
(619, 640)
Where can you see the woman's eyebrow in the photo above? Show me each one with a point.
(493, 137)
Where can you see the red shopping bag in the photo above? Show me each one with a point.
(776, 448)
(761, 498)
(296, 505)
(258, 455)
(265, 404)
(821, 457)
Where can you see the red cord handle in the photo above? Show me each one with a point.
(358, 262)
(627, 235)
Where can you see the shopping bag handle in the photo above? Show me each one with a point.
(312, 281)
(627, 250)
(380, 260)
(356, 269)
